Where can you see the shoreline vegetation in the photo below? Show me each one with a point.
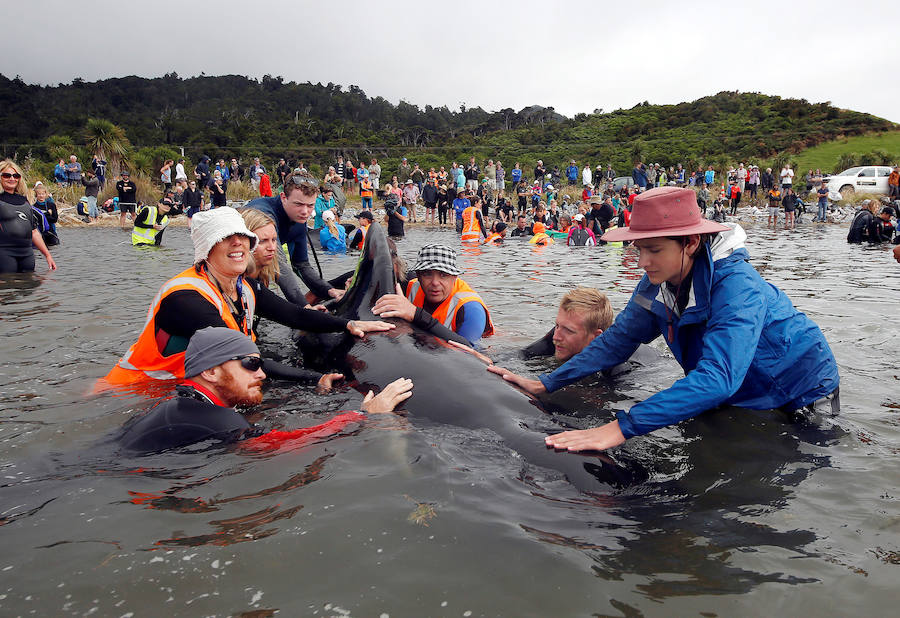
(232, 116)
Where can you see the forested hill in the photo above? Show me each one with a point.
(234, 115)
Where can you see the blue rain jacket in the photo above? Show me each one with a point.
(740, 342)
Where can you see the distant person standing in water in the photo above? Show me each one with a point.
(127, 191)
(18, 227)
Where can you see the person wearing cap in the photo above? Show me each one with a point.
(395, 213)
(404, 170)
(882, 229)
(438, 294)
(291, 211)
(599, 217)
(223, 370)
(364, 219)
(213, 292)
(127, 191)
(150, 223)
(443, 203)
(579, 235)
(739, 339)
(332, 236)
(572, 173)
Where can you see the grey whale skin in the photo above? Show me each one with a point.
(450, 386)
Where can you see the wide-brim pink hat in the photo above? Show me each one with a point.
(665, 211)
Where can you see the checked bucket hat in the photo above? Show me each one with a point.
(437, 257)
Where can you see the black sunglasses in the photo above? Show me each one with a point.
(11, 175)
(250, 363)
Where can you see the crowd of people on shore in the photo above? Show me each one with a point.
(543, 204)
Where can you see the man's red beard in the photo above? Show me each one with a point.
(234, 396)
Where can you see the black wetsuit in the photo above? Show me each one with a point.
(861, 228)
(190, 417)
(17, 220)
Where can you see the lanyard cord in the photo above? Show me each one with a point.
(231, 306)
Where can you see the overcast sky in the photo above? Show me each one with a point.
(573, 55)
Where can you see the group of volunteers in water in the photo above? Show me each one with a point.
(738, 338)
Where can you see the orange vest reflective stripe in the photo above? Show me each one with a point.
(363, 229)
(446, 312)
(495, 237)
(471, 231)
(144, 359)
(365, 189)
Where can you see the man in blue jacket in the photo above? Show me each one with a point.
(572, 172)
(738, 338)
(639, 175)
(290, 211)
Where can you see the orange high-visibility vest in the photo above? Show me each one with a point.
(495, 237)
(471, 232)
(362, 240)
(144, 360)
(446, 312)
(365, 188)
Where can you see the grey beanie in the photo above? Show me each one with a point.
(211, 346)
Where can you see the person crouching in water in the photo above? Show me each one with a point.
(223, 370)
(498, 233)
(738, 338)
(150, 223)
(438, 294)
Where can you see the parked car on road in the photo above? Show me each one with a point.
(860, 179)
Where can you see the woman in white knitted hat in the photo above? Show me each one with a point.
(213, 293)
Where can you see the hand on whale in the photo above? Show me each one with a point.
(359, 328)
(395, 306)
(387, 400)
(534, 387)
(596, 439)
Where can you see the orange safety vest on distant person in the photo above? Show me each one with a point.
(493, 238)
(365, 188)
(362, 240)
(471, 231)
(445, 313)
(144, 360)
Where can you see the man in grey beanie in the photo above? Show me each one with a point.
(223, 369)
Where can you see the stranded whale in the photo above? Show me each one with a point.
(451, 386)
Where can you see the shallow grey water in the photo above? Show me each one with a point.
(735, 512)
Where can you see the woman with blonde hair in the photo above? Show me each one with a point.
(263, 262)
(332, 236)
(18, 226)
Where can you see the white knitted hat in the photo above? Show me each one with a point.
(210, 226)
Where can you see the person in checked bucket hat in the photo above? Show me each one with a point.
(438, 294)
(738, 338)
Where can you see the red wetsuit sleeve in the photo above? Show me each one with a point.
(301, 437)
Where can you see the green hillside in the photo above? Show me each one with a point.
(838, 155)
